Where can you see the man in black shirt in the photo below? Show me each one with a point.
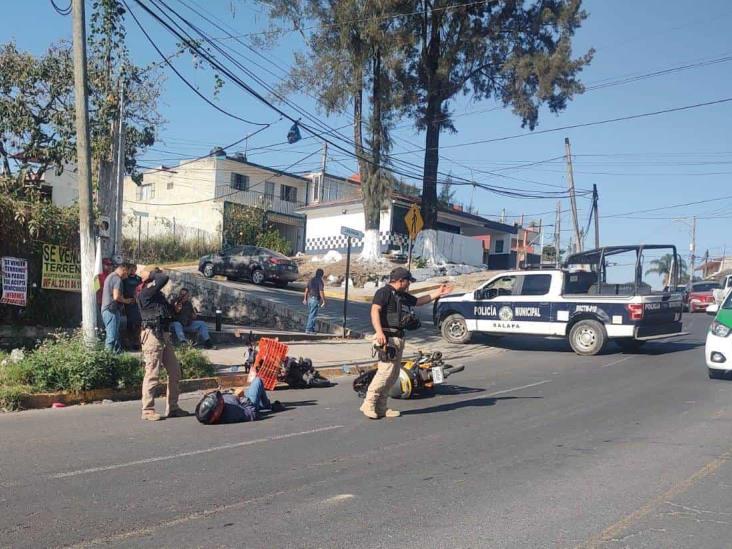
(391, 303)
(157, 348)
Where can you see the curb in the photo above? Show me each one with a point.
(368, 298)
(45, 400)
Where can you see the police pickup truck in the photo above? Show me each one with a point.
(575, 302)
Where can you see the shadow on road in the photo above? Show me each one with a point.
(474, 403)
(296, 403)
(665, 348)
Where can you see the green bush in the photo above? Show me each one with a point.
(160, 249)
(128, 371)
(193, 363)
(11, 397)
(65, 363)
(273, 240)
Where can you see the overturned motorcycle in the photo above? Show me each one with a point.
(417, 376)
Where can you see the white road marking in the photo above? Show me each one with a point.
(614, 362)
(191, 453)
(517, 388)
(337, 499)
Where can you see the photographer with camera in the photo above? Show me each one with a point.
(157, 347)
(391, 317)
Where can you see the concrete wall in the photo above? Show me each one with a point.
(240, 308)
(191, 183)
(323, 227)
(442, 247)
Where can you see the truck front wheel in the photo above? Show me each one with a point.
(587, 337)
(455, 330)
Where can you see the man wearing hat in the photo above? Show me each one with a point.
(157, 348)
(390, 306)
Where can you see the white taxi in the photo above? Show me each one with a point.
(718, 350)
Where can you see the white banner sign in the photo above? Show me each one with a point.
(15, 281)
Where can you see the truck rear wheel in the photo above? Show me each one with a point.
(587, 337)
(455, 330)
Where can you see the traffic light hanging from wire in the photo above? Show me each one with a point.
(293, 136)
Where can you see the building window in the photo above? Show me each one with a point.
(288, 193)
(499, 246)
(145, 192)
(269, 189)
(169, 185)
(317, 187)
(239, 182)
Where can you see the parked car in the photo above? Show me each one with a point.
(684, 291)
(718, 350)
(701, 295)
(252, 263)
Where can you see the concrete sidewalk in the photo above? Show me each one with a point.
(333, 353)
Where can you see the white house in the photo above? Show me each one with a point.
(194, 195)
(325, 219)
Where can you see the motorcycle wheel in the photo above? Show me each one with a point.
(403, 387)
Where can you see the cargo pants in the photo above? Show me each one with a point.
(159, 353)
(386, 375)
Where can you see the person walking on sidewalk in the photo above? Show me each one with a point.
(185, 321)
(157, 347)
(314, 299)
(113, 300)
(390, 317)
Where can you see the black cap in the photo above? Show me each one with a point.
(400, 273)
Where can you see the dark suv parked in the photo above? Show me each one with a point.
(250, 262)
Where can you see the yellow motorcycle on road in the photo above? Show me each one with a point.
(417, 376)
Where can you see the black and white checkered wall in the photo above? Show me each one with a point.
(339, 242)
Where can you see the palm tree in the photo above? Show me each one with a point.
(662, 267)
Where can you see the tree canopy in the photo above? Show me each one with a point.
(37, 118)
(517, 53)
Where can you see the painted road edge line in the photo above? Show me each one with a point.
(90, 470)
(517, 388)
(617, 528)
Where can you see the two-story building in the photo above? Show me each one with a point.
(194, 197)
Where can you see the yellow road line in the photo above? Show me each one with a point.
(614, 530)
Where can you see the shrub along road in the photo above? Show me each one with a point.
(529, 447)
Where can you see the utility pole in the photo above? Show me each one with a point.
(557, 232)
(83, 155)
(692, 248)
(120, 172)
(595, 199)
(572, 198)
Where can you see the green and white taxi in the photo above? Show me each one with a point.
(718, 350)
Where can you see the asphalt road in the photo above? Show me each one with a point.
(531, 446)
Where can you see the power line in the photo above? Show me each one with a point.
(185, 80)
(595, 123)
(62, 11)
(181, 34)
(670, 207)
(225, 195)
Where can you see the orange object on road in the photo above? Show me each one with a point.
(269, 359)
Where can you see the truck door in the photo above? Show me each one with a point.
(494, 304)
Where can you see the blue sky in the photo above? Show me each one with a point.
(637, 165)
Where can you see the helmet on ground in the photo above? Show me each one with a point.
(210, 408)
